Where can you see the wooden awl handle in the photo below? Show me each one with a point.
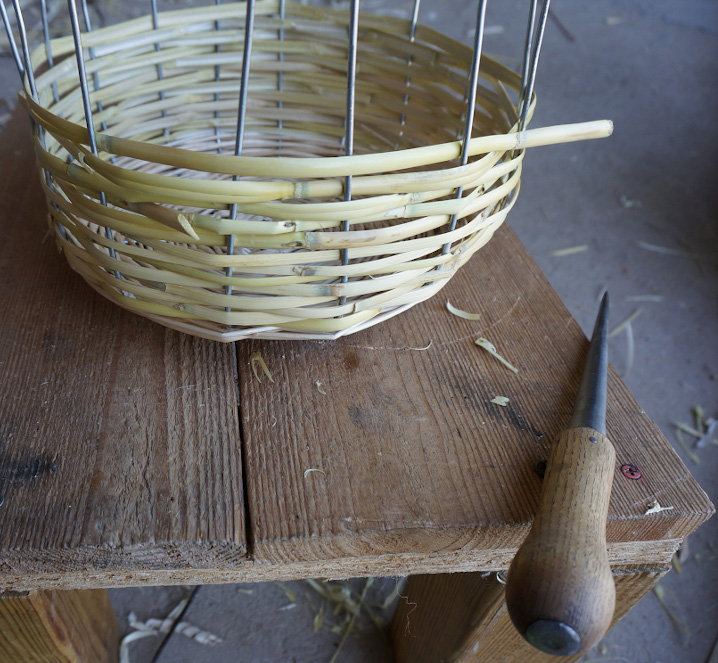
(560, 592)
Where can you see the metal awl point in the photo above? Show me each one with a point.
(590, 408)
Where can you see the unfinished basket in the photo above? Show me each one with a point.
(272, 170)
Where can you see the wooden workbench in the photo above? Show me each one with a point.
(134, 455)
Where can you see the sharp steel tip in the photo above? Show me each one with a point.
(601, 323)
(605, 300)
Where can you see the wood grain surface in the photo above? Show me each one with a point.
(120, 456)
(59, 627)
(462, 618)
(119, 443)
(413, 454)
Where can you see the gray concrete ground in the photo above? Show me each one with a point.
(651, 67)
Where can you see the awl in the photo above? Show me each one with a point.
(560, 592)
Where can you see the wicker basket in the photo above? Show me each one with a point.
(167, 222)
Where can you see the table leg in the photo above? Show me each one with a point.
(462, 618)
(77, 626)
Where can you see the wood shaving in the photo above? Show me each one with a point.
(491, 349)
(665, 250)
(390, 598)
(256, 358)
(289, 593)
(160, 625)
(699, 418)
(660, 593)
(461, 314)
(644, 298)
(569, 250)
(183, 628)
(500, 400)
(169, 624)
(684, 446)
(655, 507)
(677, 564)
(130, 638)
(426, 347)
(629, 202)
(350, 626)
(629, 351)
(679, 425)
(198, 635)
(622, 325)
(707, 426)
(318, 620)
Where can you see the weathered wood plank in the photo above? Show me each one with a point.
(414, 456)
(462, 618)
(114, 475)
(119, 439)
(58, 627)
(652, 553)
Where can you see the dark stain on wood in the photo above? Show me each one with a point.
(359, 418)
(351, 361)
(23, 471)
(26, 469)
(475, 396)
(55, 344)
(517, 420)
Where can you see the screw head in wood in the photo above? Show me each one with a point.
(631, 471)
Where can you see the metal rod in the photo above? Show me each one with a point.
(91, 52)
(410, 59)
(25, 49)
(414, 20)
(86, 104)
(48, 49)
(470, 105)
(536, 51)
(160, 73)
(280, 73)
(241, 120)
(31, 81)
(11, 40)
(217, 49)
(349, 121)
(528, 45)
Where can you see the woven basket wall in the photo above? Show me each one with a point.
(148, 222)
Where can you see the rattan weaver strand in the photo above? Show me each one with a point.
(145, 221)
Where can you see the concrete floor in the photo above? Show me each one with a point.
(651, 66)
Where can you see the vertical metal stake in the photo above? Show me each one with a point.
(280, 73)
(160, 73)
(407, 80)
(11, 40)
(48, 50)
(241, 118)
(528, 46)
(349, 122)
(217, 77)
(87, 106)
(536, 51)
(91, 51)
(471, 105)
(27, 69)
